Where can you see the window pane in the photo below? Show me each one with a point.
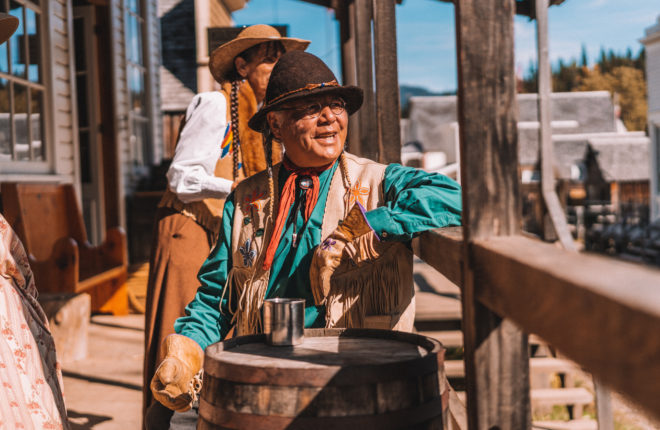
(139, 141)
(20, 122)
(133, 39)
(79, 43)
(133, 5)
(34, 45)
(657, 153)
(37, 124)
(5, 123)
(85, 158)
(4, 59)
(17, 42)
(136, 87)
(81, 90)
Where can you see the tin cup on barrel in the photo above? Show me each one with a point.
(284, 321)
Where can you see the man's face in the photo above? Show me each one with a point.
(311, 138)
(257, 70)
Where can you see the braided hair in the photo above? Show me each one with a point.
(268, 151)
(236, 142)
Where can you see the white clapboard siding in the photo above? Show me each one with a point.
(153, 80)
(653, 75)
(61, 92)
(121, 101)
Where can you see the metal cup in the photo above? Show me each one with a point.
(284, 321)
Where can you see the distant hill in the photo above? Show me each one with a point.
(407, 91)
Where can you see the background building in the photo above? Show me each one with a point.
(652, 43)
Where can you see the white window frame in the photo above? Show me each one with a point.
(40, 170)
(140, 156)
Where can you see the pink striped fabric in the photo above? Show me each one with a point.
(30, 376)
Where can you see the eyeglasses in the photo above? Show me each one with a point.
(313, 110)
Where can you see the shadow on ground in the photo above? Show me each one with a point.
(78, 421)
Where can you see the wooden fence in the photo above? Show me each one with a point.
(604, 314)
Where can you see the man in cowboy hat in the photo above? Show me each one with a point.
(215, 149)
(323, 225)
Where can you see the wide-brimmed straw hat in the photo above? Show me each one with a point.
(298, 75)
(8, 25)
(221, 61)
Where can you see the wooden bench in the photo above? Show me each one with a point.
(48, 220)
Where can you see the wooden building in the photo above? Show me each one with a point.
(185, 55)
(651, 42)
(79, 100)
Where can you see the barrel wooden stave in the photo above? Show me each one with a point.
(385, 395)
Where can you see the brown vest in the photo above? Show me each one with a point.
(208, 212)
(373, 288)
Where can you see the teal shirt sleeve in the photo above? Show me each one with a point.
(203, 322)
(415, 201)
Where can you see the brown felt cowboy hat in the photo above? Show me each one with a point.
(8, 25)
(221, 61)
(299, 74)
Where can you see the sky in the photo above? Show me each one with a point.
(426, 35)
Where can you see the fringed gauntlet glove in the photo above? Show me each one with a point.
(176, 382)
(328, 254)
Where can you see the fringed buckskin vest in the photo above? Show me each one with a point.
(373, 288)
(208, 212)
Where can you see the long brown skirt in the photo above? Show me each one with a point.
(179, 248)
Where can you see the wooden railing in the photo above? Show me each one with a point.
(602, 313)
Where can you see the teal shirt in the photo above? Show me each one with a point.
(415, 201)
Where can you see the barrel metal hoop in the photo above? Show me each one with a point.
(404, 418)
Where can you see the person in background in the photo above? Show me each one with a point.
(323, 225)
(215, 150)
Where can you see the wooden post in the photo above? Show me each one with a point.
(387, 82)
(367, 144)
(345, 13)
(552, 204)
(496, 357)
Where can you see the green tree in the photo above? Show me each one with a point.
(630, 86)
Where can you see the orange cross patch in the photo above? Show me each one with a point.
(358, 193)
(253, 199)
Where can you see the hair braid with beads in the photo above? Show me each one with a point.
(268, 151)
(234, 125)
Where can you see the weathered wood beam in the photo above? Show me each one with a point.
(387, 82)
(603, 313)
(496, 356)
(442, 249)
(367, 144)
(345, 14)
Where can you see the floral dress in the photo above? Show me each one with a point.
(30, 376)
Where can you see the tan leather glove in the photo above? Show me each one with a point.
(328, 255)
(173, 382)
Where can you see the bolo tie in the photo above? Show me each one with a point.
(304, 183)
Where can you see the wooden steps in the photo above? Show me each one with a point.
(455, 368)
(576, 398)
(581, 424)
(454, 338)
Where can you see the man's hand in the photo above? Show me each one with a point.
(172, 384)
(328, 255)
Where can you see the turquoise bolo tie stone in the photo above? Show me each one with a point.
(306, 183)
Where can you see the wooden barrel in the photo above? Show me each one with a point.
(336, 379)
